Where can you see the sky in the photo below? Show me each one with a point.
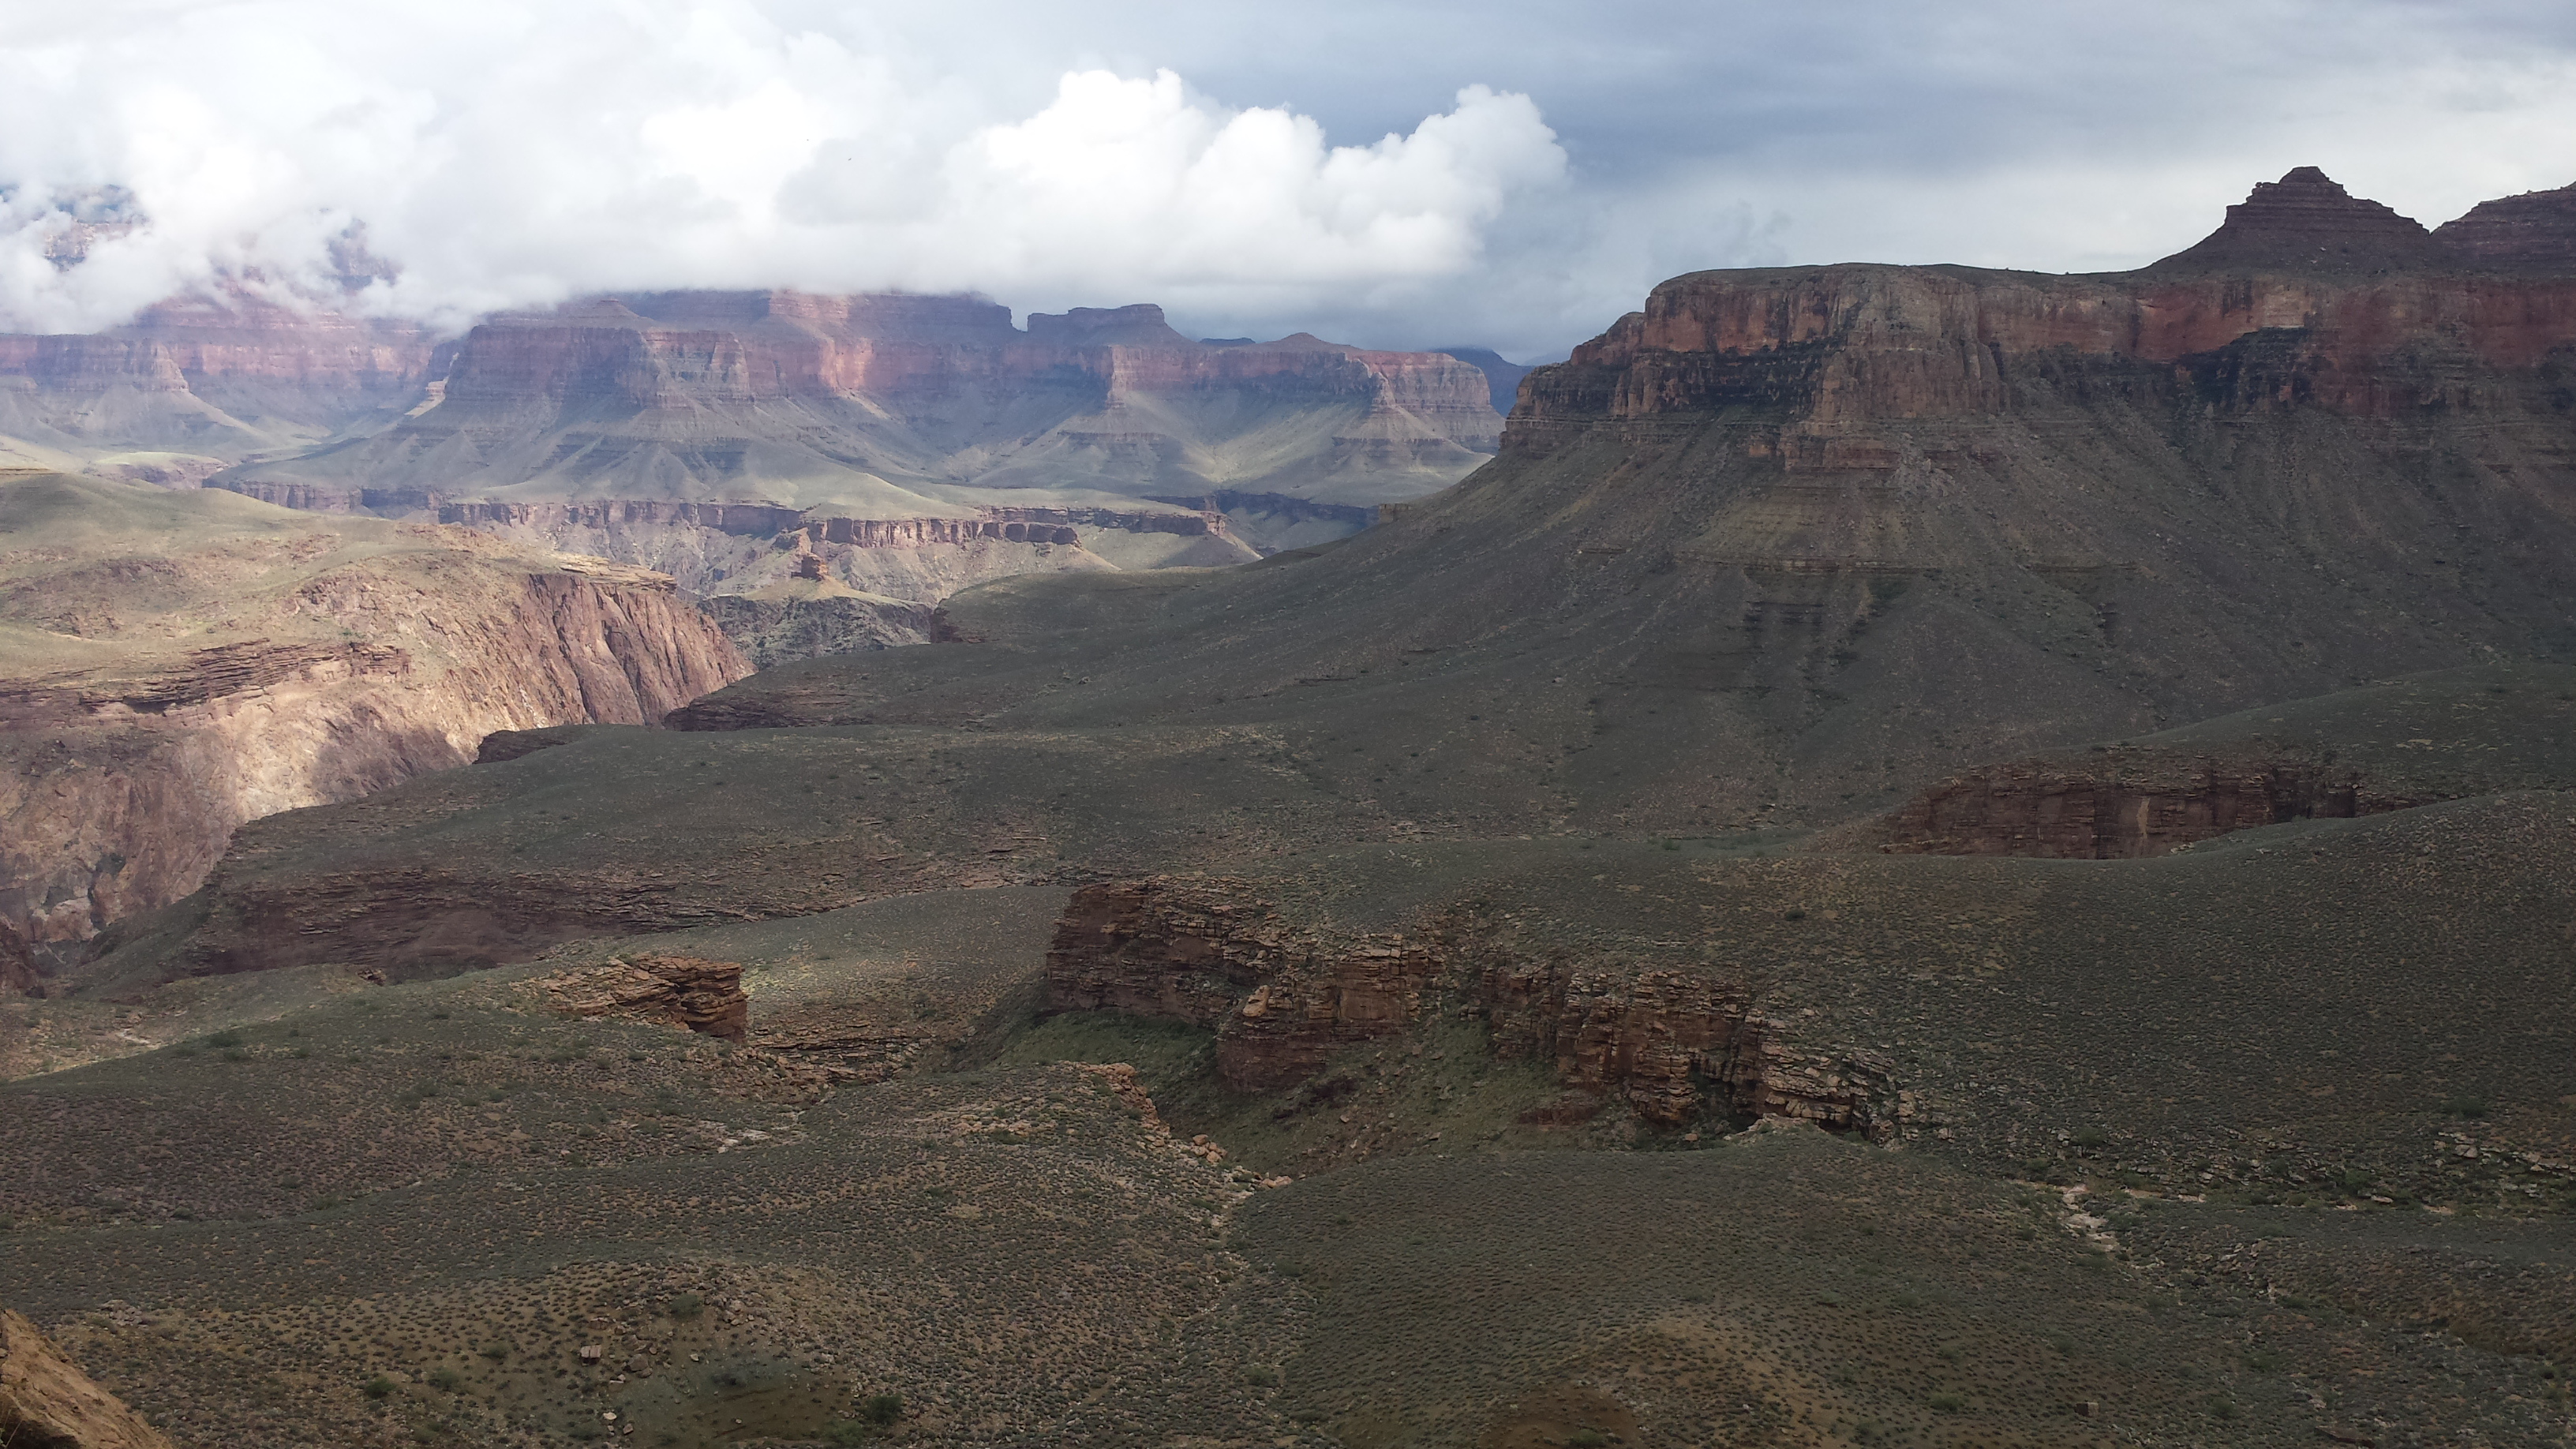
(1512, 175)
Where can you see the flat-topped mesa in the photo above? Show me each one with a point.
(2534, 232)
(1138, 325)
(2378, 320)
(961, 320)
(2305, 222)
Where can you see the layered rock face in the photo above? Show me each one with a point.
(351, 657)
(46, 1402)
(194, 384)
(1283, 998)
(2533, 232)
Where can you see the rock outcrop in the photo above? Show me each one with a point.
(1282, 999)
(1677, 1044)
(775, 631)
(46, 1402)
(2126, 808)
(683, 991)
(18, 972)
(352, 656)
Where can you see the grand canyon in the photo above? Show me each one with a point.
(1886, 854)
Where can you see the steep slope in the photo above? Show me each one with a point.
(177, 664)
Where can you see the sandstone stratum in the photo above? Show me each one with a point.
(1927, 855)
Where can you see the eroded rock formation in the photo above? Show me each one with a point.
(46, 1402)
(1282, 999)
(683, 991)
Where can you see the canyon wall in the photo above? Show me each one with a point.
(346, 662)
(885, 407)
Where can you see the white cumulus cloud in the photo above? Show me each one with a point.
(503, 155)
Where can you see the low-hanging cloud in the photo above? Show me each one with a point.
(445, 163)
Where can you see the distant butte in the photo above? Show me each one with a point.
(2307, 222)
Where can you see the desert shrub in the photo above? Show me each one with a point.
(881, 1409)
(377, 1387)
(445, 1378)
(685, 1306)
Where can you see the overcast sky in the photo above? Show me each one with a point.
(1508, 174)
